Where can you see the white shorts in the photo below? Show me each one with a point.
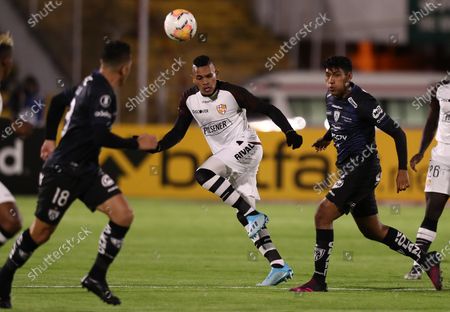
(242, 162)
(438, 178)
(5, 195)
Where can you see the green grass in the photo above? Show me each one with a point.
(194, 256)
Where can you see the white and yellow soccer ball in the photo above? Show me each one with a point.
(180, 25)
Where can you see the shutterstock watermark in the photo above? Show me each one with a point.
(153, 87)
(49, 7)
(302, 33)
(440, 256)
(35, 109)
(423, 12)
(424, 99)
(334, 179)
(57, 254)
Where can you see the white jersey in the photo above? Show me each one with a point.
(222, 116)
(442, 151)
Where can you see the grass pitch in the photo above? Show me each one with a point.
(194, 256)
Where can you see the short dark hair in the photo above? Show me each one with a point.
(6, 44)
(202, 60)
(338, 62)
(116, 52)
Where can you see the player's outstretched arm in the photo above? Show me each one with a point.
(322, 143)
(428, 132)
(175, 135)
(250, 102)
(105, 138)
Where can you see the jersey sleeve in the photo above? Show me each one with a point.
(56, 110)
(371, 111)
(247, 100)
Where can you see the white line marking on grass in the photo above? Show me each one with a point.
(206, 287)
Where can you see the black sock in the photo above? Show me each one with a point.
(108, 247)
(398, 241)
(322, 252)
(426, 233)
(22, 250)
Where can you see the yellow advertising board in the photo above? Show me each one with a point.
(300, 175)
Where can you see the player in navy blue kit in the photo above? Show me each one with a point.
(72, 171)
(353, 115)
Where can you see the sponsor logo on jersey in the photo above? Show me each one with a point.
(335, 106)
(53, 214)
(103, 113)
(377, 111)
(105, 100)
(199, 111)
(107, 181)
(221, 108)
(446, 117)
(216, 127)
(339, 137)
(347, 119)
(337, 114)
(245, 151)
(352, 101)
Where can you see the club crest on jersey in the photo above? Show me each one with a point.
(53, 214)
(221, 109)
(337, 114)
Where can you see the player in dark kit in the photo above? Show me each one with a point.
(353, 114)
(72, 171)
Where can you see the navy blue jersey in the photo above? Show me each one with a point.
(92, 108)
(353, 119)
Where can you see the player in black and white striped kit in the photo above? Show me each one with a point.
(220, 108)
(10, 219)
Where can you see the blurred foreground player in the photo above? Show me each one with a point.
(353, 114)
(10, 219)
(72, 171)
(220, 110)
(437, 187)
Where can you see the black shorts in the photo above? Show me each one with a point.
(355, 190)
(59, 186)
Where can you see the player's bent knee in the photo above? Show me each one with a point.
(124, 218)
(202, 175)
(41, 233)
(322, 218)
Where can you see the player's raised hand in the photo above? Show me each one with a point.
(321, 144)
(147, 142)
(47, 149)
(293, 139)
(415, 160)
(402, 180)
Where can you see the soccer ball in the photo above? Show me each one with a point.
(180, 25)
